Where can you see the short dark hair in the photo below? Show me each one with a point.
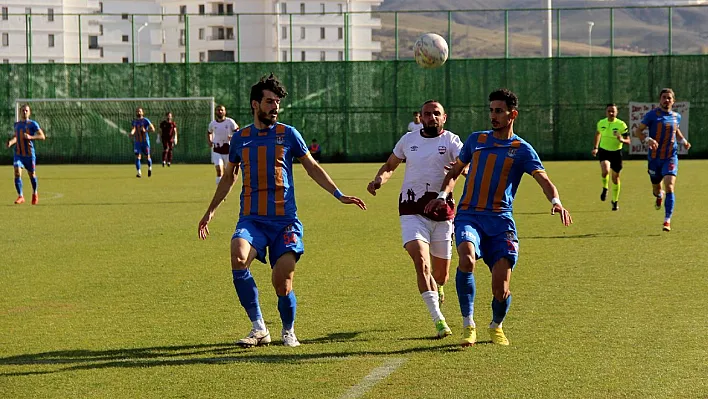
(167, 113)
(610, 105)
(416, 113)
(270, 83)
(667, 90)
(506, 95)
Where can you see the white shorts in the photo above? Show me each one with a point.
(437, 234)
(219, 159)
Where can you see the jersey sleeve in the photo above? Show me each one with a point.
(210, 128)
(598, 126)
(34, 127)
(400, 149)
(649, 117)
(297, 143)
(147, 123)
(234, 156)
(678, 119)
(625, 130)
(532, 162)
(465, 155)
(456, 145)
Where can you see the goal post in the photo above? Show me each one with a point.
(96, 130)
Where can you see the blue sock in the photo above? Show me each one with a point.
(149, 162)
(287, 306)
(465, 292)
(247, 293)
(500, 309)
(33, 180)
(669, 205)
(18, 185)
(137, 164)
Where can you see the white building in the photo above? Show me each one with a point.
(202, 30)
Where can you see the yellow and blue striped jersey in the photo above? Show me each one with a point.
(662, 128)
(141, 130)
(24, 147)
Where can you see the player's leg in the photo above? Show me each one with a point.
(501, 277)
(419, 251)
(669, 183)
(604, 172)
(616, 168)
(218, 166)
(286, 246)
(17, 168)
(655, 175)
(146, 150)
(467, 239)
(138, 157)
(165, 151)
(440, 254)
(170, 150)
(32, 172)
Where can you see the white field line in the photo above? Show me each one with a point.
(375, 376)
(46, 195)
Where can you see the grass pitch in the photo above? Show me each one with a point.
(105, 291)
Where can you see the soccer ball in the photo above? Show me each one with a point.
(430, 50)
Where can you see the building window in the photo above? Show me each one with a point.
(340, 9)
(322, 56)
(341, 56)
(229, 33)
(322, 8)
(50, 40)
(322, 33)
(283, 8)
(302, 56)
(220, 9)
(302, 8)
(283, 32)
(284, 56)
(124, 16)
(125, 60)
(340, 33)
(5, 39)
(229, 9)
(182, 12)
(100, 7)
(50, 14)
(201, 33)
(4, 14)
(125, 38)
(182, 57)
(302, 32)
(93, 42)
(202, 10)
(202, 56)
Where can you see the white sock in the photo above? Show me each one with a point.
(468, 321)
(218, 179)
(431, 301)
(259, 325)
(495, 325)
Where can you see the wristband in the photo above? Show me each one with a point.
(681, 141)
(442, 195)
(646, 139)
(337, 194)
(555, 201)
(594, 148)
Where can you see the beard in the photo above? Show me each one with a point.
(431, 131)
(267, 119)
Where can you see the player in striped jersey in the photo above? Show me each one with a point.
(26, 132)
(663, 124)
(141, 140)
(484, 225)
(268, 222)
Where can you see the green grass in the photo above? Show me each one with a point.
(105, 291)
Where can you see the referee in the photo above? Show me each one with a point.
(611, 133)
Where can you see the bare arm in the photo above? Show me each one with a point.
(320, 176)
(552, 195)
(151, 128)
(384, 173)
(644, 138)
(682, 139)
(210, 136)
(39, 135)
(596, 143)
(12, 141)
(448, 185)
(222, 190)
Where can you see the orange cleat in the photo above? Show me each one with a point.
(20, 200)
(35, 198)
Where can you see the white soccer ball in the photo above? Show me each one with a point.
(430, 50)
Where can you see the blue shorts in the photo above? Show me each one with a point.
(27, 162)
(493, 236)
(658, 168)
(141, 148)
(278, 236)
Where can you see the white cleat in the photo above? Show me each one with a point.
(289, 339)
(255, 338)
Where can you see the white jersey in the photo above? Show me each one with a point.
(222, 131)
(426, 158)
(414, 127)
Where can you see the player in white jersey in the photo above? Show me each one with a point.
(220, 131)
(426, 236)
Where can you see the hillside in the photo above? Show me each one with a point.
(481, 33)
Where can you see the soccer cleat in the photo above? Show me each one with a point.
(441, 294)
(443, 329)
(289, 338)
(498, 337)
(667, 226)
(168, 164)
(615, 206)
(139, 175)
(659, 199)
(35, 198)
(149, 172)
(255, 338)
(469, 336)
(20, 200)
(603, 195)
(163, 164)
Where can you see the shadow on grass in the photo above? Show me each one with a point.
(127, 203)
(218, 353)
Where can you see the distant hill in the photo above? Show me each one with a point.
(481, 33)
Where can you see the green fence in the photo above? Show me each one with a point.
(358, 110)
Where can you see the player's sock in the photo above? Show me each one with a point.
(616, 191)
(137, 164)
(18, 185)
(287, 306)
(33, 180)
(669, 202)
(500, 309)
(247, 293)
(164, 157)
(149, 163)
(466, 289)
(605, 182)
(169, 157)
(431, 301)
(218, 179)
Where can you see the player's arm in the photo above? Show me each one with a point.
(12, 141)
(38, 135)
(448, 185)
(644, 138)
(596, 143)
(222, 190)
(552, 194)
(151, 128)
(210, 138)
(175, 140)
(320, 176)
(682, 139)
(384, 174)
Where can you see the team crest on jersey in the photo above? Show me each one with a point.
(279, 139)
(511, 153)
(414, 148)
(442, 149)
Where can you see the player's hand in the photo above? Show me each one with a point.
(564, 214)
(28, 136)
(203, 228)
(175, 140)
(686, 145)
(653, 144)
(348, 199)
(594, 152)
(449, 166)
(373, 186)
(434, 205)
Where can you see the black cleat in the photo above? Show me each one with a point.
(149, 172)
(603, 196)
(138, 175)
(615, 206)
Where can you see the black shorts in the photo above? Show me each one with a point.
(615, 158)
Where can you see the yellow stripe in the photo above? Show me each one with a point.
(486, 181)
(246, 161)
(279, 186)
(496, 204)
(262, 180)
(658, 137)
(246, 132)
(465, 203)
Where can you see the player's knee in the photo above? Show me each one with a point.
(239, 262)
(501, 293)
(467, 263)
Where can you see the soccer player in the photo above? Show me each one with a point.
(484, 224)
(26, 132)
(141, 140)
(663, 124)
(220, 131)
(268, 222)
(427, 237)
(610, 134)
(168, 130)
(415, 125)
